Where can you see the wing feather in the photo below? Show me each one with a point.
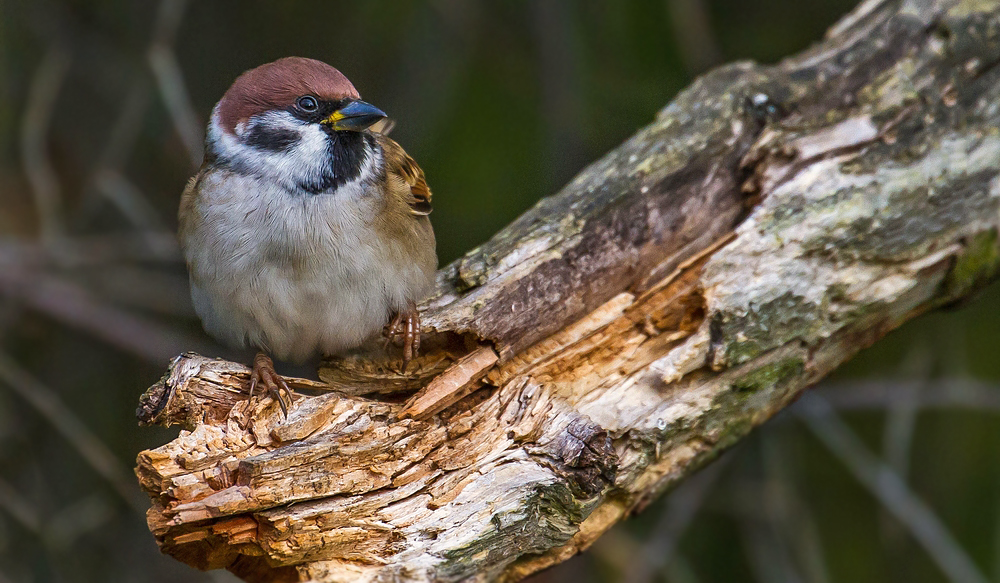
(400, 163)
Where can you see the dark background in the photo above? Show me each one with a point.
(102, 110)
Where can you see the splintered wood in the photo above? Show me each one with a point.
(620, 334)
(452, 385)
(350, 481)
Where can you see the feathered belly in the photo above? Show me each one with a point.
(299, 279)
(295, 315)
(293, 318)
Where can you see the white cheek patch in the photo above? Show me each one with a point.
(306, 158)
(301, 163)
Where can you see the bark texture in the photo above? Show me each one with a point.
(772, 221)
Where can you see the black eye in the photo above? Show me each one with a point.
(307, 103)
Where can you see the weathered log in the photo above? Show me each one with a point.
(770, 223)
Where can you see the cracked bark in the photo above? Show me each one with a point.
(771, 222)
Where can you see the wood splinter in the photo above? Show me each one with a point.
(451, 386)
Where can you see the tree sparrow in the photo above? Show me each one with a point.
(305, 232)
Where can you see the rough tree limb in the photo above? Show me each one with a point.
(771, 222)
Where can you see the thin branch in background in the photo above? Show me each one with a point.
(767, 558)
(19, 508)
(897, 434)
(692, 27)
(128, 125)
(789, 515)
(92, 250)
(109, 181)
(170, 78)
(135, 206)
(127, 197)
(890, 489)
(133, 286)
(897, 438)
(77, 519)
(970, 394)
(683, 505)
(35, 123)
(72, 304)
(951, 345)
(89, 446)
(171, 83)
(901, 415)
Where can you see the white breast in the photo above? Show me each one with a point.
(291, 273)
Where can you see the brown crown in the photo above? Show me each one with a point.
(277, 85)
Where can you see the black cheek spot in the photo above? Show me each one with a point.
(271, 139)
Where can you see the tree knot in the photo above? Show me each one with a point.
(589, 461)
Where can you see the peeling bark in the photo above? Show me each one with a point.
(770, 223)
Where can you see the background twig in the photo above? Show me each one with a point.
(884, 483)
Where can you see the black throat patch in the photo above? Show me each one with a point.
(347, 154)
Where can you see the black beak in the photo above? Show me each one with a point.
(356, 116)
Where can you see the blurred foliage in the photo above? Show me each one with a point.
(102, 107)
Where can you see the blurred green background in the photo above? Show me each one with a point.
(102, 109)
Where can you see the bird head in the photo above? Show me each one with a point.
(296, 121)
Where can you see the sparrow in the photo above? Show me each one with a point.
(305, 233)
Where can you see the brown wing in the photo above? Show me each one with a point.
(397, 161)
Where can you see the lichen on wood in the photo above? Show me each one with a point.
(772, 221)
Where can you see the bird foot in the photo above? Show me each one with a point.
(264, 374)
(405, 326)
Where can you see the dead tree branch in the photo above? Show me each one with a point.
(770, 223)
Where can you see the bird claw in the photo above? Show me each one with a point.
(264, 373)
(405, 325)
